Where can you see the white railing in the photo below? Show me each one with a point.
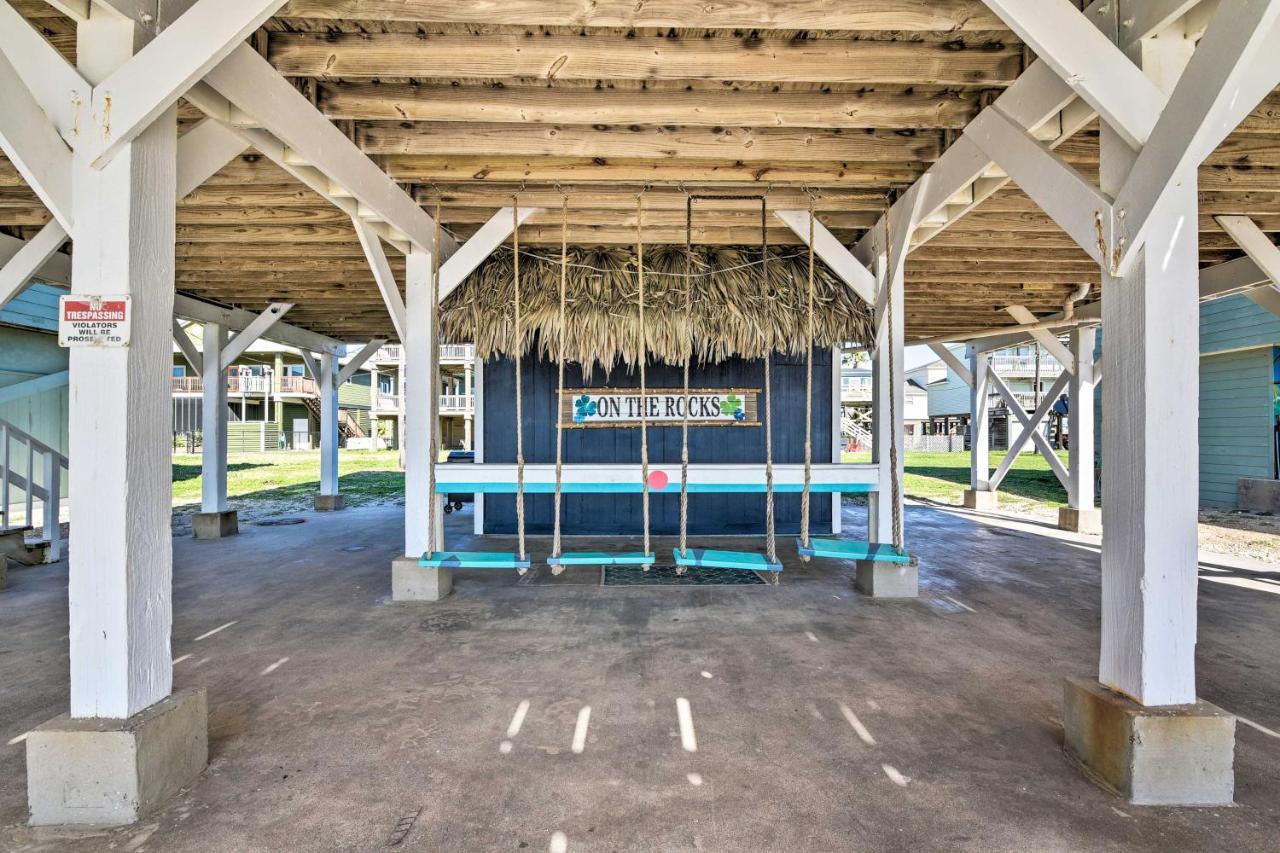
(45, 495)
(457, 352)
(453, 404)
(388, 403)
(391, 352)
(1025, 364)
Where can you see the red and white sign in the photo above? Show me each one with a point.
(93, 321)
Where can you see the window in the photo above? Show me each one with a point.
(179, 370)
(295, 370)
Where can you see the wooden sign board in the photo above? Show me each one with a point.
(616, 407)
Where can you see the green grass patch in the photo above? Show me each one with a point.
(266, 483)
(943, 477)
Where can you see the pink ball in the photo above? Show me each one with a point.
(658, 480)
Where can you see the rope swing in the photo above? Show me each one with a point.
(808, 393)
(564, 274)
(433, 404)
(515, 241)
(643, 357)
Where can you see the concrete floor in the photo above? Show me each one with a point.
(823, 721)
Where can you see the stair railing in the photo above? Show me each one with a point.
(47, 491)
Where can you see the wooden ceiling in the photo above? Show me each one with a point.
(472, 101)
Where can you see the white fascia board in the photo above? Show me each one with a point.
(237, 319)
(838, 259)
(162, 71)
(481, 245)
(33, 145)
(250, 83)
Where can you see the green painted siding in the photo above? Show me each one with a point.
(248, 436)
(1236, 322)
(1236, 425)
(355, 394)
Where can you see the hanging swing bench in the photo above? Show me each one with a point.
(560, 559)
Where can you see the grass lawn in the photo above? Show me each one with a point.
(261, 484)
(943, 477)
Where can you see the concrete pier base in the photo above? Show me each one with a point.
(988, 501)
(887, 580)
(1080, 520)
(115, 772)
(214, 525)
(411, 582)
(330, 503)
(1178, 755)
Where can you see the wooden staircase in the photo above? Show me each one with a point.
(348, 426)
(31, 475)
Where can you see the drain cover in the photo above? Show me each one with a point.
(666, 576)
(279, 522)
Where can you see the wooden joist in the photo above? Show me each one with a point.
(648, 142)
(584, 170)
(885, 108)
(906, 15)
(595, 57)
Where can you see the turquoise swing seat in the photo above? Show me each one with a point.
(472, 560)
(848, 549)
(600, 558)
(706, 558)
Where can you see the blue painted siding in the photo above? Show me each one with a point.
(1236, 322)
(34, 308)
(1236, 423)
(708, 514)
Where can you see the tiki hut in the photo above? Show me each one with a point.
(738, 307)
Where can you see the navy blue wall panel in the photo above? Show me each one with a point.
(621, 514)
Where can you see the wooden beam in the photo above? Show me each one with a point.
(249, 335)
(903, 15)
(236, 319)
(248, 81)
(492, 234)
(1254, 242)
(357, 361)
(55, 85)
(884, 107)
(743, 144)
(944, 352)
(17, 271)
(643, 57)
(382, 274)
(583, 170)
(187, 347)
(33, 145)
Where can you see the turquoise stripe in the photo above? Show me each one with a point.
(635, 488)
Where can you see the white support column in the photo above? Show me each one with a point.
(329, 497)
(888, 345)
(477, 439)
(468, 418)
(1080, 514)
(837, 448)
(979, 494)
(409, 581)
(122, 764)
(121, 559)
(215, 519)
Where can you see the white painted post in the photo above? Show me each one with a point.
(979, 430)
(213, 422)
(1151, 406)
(328, 426)
(120, 585)
(478, 441)
(420, 430)
(467, 417)
(1080, 427)
(880, 505)
(837, 353)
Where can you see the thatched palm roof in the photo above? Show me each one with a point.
(734, 313)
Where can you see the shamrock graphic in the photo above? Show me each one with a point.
(733, 406)
(583, 409)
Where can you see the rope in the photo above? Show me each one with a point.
(684, 418)
(515, 238)
(895, 486)
(644, 396)
(564, 271)
(808, 396)
(771, 541)
(433, 417)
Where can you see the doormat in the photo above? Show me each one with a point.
(666, 576)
